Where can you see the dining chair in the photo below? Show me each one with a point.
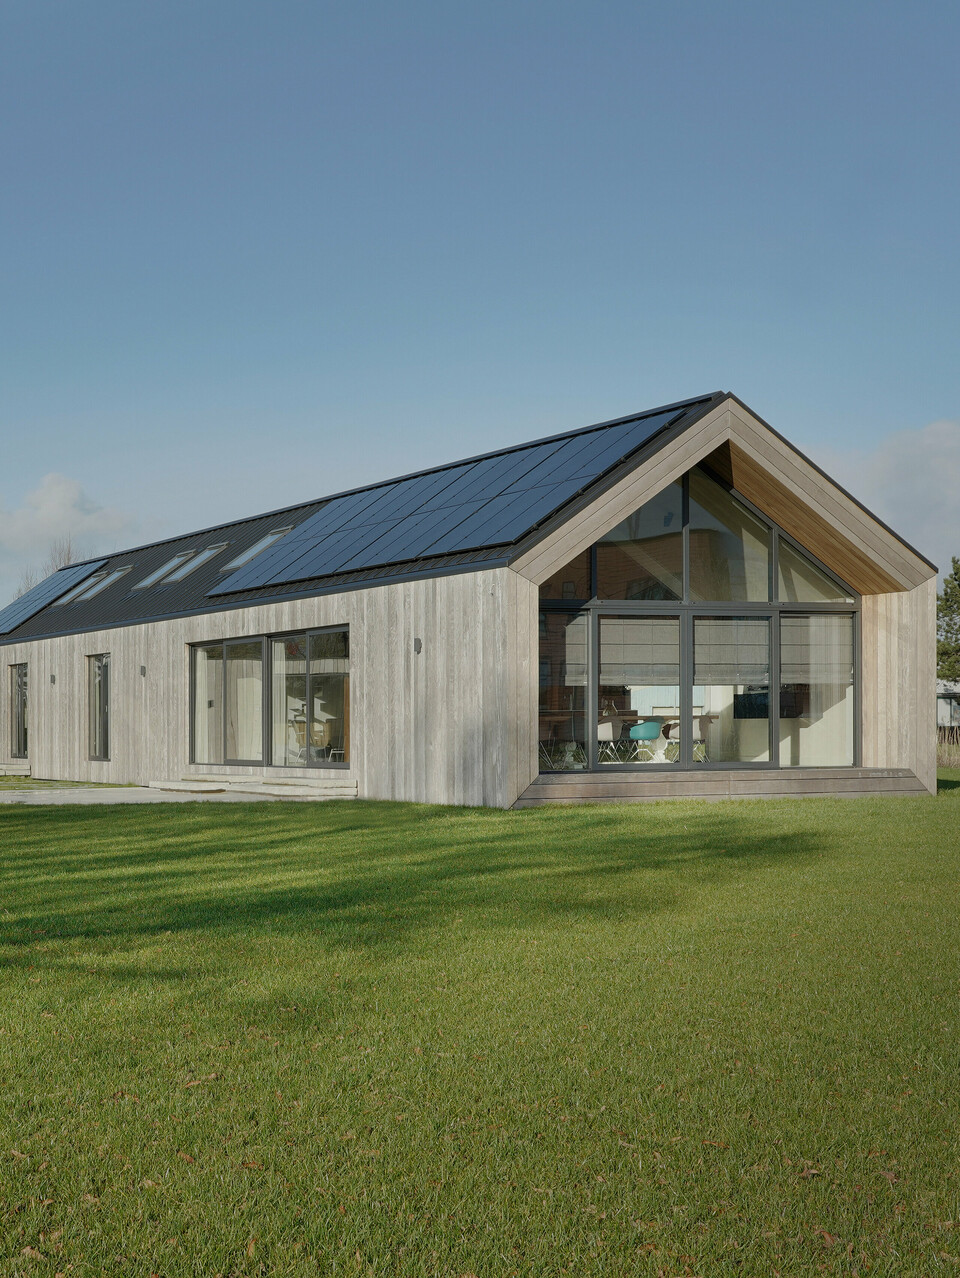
(646, 731)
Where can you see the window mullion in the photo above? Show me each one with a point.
(686, 688)
(685, 505)
(775, 689)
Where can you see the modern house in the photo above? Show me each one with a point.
(676, 602)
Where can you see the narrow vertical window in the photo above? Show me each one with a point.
(18, 710)
(816, 690)
(329, 697)
(98, 698)
(243, 701)
(208, 704)
(289, 701)
(563, 691)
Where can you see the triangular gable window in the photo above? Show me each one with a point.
(801, 581)
(695, 542)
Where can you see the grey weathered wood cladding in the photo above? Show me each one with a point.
(453, 723)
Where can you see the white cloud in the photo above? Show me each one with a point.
(58, 507)
(912, 481)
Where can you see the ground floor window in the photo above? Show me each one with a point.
(685, 688)
(283, 699)
(731, 678)
(98, 706)
(817, 723)
(18, 710)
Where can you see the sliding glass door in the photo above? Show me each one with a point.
(638, 690)
(563, 691)
(691, 688)
(817, 690)
(731, 675)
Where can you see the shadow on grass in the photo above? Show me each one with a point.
(362, 874)
(945, 783)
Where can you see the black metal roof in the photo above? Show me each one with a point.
(459, 517)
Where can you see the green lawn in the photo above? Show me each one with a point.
(354, 1038)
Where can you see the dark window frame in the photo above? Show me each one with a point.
(266, 761)
(19, 693)
(688, 609)
(98, 716)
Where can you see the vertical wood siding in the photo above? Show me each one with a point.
(898, 696)
(455, 723)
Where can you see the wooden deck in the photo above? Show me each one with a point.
(648, 787)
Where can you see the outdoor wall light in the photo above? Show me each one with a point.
(53, 678)
(418, 646)
(143, 672)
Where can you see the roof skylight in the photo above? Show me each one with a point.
(102, 581)
(256, 548)
(77, 591)
(169, 566)
(191, 565)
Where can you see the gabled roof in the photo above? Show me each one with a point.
(464, 515)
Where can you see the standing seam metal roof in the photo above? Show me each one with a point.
(453, 518)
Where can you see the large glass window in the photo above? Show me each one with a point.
(692, 611)
(303, 695)
(563, 689)
(311, 698)
(638, 716)
(571, 582)
(208, 704)
(729, 546)
(329, 696)
(801, 581)
(642, 558)
(18, 710)
(98, 706)
(816, 690)
(731, 671)
(289, 680)
(243, 701)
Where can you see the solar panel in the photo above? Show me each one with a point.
(50, 589)
(473, 505)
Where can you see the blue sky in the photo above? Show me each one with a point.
(255, 252)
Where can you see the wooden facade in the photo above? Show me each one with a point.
(452, 723)
(452, 718)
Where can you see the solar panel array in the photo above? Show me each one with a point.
(50, 589)
(490, 501)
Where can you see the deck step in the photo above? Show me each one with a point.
(14, 769)
(651, 787)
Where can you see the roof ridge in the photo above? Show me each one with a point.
(319, 502)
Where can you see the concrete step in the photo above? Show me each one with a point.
(636, 787)
(293, 789)
(14, 769)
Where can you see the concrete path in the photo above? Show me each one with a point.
(133, 794)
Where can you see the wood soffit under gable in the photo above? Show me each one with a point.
(776, 501)
(769, 472)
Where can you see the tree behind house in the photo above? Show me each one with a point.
(948, 626)
(61, 553)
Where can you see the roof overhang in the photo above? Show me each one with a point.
(778, 479)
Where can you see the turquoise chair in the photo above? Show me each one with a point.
(648, 730)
